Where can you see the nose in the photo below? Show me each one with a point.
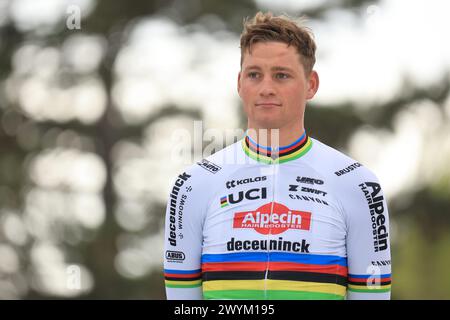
(267, 88)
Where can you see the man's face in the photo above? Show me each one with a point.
(273, 86)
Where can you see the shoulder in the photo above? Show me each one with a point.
(337, 166)
(212, 168)
(349, 180)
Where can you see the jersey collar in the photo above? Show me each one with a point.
(265, 154)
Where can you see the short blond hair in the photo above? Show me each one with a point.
(264, 27)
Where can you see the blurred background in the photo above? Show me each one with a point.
(92, 91)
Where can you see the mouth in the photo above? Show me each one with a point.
(268, 104)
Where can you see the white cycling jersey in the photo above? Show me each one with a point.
(307, 222)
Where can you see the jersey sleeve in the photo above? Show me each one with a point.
(367, 242)
(184, 237)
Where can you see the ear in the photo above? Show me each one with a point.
(239, 83)
(313, 85)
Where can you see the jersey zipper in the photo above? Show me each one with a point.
(274, 166)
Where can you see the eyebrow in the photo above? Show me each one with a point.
(276, 68)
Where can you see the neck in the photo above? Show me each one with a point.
(275, 138)
(275, 146)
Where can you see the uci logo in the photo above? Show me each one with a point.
(252, 194)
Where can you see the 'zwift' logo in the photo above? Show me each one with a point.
(273, 218)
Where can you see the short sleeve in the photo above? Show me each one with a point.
(183, 238)
(367, 241)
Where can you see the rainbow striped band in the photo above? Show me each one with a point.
(287, 153)
(250, 275)
(183, 278)
(223, 202)
(287, 276)
(369, 283)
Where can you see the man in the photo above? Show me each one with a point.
(298, 219)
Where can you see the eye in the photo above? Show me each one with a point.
(281, 75)
(253, 75)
